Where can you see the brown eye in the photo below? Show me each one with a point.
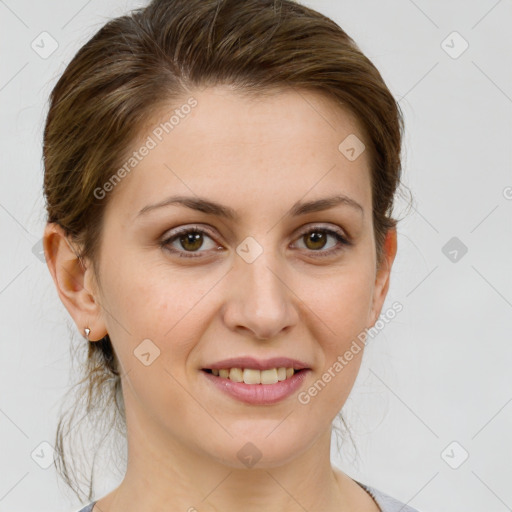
(187, 241)
(316, 239)
(191, 241)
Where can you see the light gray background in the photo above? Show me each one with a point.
(440, 372)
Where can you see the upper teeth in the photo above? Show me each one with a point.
(252, 376)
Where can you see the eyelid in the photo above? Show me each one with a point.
(342, 237)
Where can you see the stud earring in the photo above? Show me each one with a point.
(87, 332)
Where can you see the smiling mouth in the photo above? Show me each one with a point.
(253, 376)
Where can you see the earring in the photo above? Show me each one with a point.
(87, 332)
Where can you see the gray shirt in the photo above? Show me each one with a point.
(385, 502)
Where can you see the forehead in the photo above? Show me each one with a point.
(246, 151)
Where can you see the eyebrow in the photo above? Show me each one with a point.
(212, 208)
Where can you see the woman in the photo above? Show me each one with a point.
(219, 178)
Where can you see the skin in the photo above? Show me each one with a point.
(257, 156)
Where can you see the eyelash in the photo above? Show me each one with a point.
(191, 254)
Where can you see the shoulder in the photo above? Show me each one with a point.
(385, 502)
(88, 508)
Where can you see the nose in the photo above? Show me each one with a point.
(260, 301)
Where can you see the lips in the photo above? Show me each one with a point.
(257, 364)
(257, 394)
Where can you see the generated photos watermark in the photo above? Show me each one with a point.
(150, 143)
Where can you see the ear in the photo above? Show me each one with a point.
(76, 284)
(382, 276)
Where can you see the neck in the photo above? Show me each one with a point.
(172, 473)
(177, 479)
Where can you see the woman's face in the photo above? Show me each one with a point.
(253, 284)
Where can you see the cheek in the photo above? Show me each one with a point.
(351, 303)
(158, 304)
(341, 303)
(349, 321)
(343, 315)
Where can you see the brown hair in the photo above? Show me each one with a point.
(156, 55)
